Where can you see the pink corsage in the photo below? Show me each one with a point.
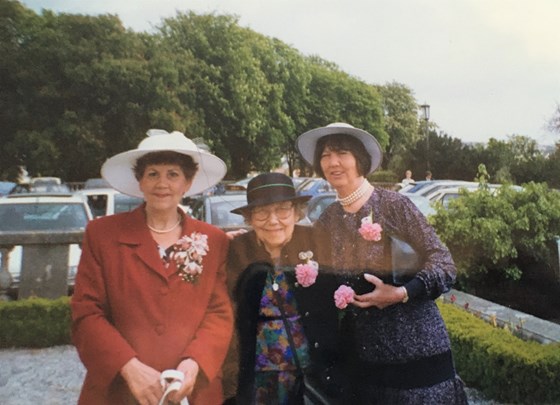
(343, 296)
(370, 230)
(306, 273)
(188, 253)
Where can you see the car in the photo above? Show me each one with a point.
(40, 187)
(42, 212)
(434, 185)
(317, 204)
(446, 195)
(108, 201)
(422, 203)
(215, 210)
(96, 183)
(313, 186)
(6, 187)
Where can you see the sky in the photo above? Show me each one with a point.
(487, 68)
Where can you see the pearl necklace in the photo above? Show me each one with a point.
(355, 195)
(165, 230)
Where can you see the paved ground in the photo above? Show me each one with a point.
(53, 376)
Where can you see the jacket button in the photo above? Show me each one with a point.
(160, 329)
(316, 345)
(307, 313)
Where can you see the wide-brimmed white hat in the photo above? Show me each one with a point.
(118, 170)
(307, 142)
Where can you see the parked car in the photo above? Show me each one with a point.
(96, 183)
(42, 212)
(40, 188)
(313, 186)
(215, 210)
(317, 204)
(422, 203)
(320, 202)
(108, 201)
(435, 185)
(6, 187)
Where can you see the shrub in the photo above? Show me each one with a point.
(491, 233)
(35, 322)
(499, 364)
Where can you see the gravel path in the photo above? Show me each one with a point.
(54, 376)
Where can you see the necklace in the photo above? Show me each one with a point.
(355, 195)
(164, 230)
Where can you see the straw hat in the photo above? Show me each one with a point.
(118, 170)
(270, 188)
(307, 142)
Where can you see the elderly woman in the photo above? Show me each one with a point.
(398, 348)
(151, 291)
(283, 298)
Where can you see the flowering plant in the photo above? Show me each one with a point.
(343, 296)
(306, 273)
(370, 230)
(188, 253)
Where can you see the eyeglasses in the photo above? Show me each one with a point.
(282, 211)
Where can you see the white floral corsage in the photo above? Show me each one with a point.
(188, 253)
(306, 273)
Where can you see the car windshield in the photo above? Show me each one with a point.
(44, 216)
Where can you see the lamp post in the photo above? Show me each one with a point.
(425, 108)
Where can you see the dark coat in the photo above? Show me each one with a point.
(248, 266)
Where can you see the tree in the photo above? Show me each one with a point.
(229, 89)
(400, 121)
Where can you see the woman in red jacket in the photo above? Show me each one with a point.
(150, 291)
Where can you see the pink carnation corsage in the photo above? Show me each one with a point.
(343, 296)
(370, 230)
(306, 273)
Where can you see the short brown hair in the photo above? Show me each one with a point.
(342, 142)
(187, 164)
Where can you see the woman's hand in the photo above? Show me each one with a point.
(143, 382)
(190, 368)
(381, 297)
(234, 234)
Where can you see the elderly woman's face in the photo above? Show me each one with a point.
(339, 167)
(163, 186)
(274, 225)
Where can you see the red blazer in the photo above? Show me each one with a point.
(126, 304)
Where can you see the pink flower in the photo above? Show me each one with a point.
(306, 274)
(343, 296)
(371, 231)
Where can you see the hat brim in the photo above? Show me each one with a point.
(245, 208)
(306, 143)
(118, 171)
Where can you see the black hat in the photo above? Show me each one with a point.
(270, 188)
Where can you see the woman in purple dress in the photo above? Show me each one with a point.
(398, 349)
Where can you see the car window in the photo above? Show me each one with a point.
(124, 203)
(221, 215)
(97, 204)
(43, 216)
(315, 210)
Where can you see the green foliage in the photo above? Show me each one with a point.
(489, 233)
(384, 176)
(35, 322)
(501, 365)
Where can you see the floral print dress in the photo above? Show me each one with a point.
(275, 368)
